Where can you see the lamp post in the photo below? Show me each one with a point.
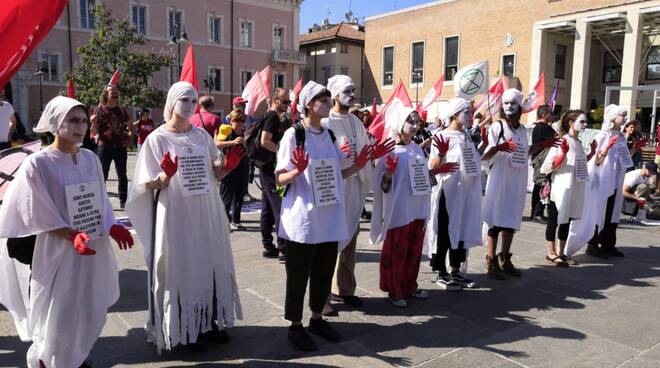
(40, 74)
(173, 41)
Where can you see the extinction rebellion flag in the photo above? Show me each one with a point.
(471, 80)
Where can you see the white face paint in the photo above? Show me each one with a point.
(510, 107)
(347, 96)
(321, 107)
(580, 124)
(186, 105)
(74, 126)
(619, 120)
(411, 125)
(465, 117)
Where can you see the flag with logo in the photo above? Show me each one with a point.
(398, 99)
(471, 80)
(23, 25)
(536, 96)
(256, 90)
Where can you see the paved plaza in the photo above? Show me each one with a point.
(602, 313)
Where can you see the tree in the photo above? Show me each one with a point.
(114, 44)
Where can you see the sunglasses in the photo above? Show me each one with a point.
(286, 102)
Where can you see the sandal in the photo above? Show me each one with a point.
(569, 260)
(556, 260)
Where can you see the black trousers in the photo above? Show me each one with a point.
(233, 188)
(607, 236)
(270, 209)
(456, 256)
(551, 226)
(537, 206)
(313, 262)
(494, 231)
(107, 154)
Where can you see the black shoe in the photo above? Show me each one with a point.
(282, 255)
(613, 252)
(539, 220)
(594, 251)
(270, 253)
(366, 215)
(122, 205)
(85, 364)
(323, 328)
(350, 300)
(301, 339)
(217, 336)
(197, 347)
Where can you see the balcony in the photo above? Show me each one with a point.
(289, 57)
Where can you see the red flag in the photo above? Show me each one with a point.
(294, 103)
(257, 90)
(23, 25)
(189, 69)
(433, 93)
(114, 80)
(398, 98)
(491, 103)
(374, 110)
(536, 96)
(70, 88)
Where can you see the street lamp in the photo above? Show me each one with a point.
(173, 41)
(40, 74)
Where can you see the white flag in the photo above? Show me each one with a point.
(471, 80)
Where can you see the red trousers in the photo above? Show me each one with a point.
(400, 259)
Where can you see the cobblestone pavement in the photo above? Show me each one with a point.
(602, 313)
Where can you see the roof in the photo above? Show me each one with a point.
(342, 30)
(408, 9)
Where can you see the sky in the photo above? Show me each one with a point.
(313, 11)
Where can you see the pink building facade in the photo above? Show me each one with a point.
(232, 39)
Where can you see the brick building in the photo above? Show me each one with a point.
(586, 45)
(232, 40)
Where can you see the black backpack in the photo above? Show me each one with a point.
(258, 156)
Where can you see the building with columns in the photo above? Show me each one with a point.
(232, 39)
(583, 45)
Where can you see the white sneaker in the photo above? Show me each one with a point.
(445, 282)
(462, 280)
(420, 294)
(399, 303)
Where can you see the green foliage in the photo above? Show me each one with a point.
(598, 113)
(114, 44)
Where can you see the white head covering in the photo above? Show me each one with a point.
(54, 114)
(611, 112)
(451, 108)
(178, 90)
(308, 92)
(395, 118)
(338, 83)
(512, 94)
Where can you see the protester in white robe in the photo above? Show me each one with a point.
(455, 217)
(401, 208)
(184, 229)
(506, 187)
(351, 134)
(603, 198)
(74, 277)
(567, 167)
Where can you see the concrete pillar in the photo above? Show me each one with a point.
(581, 57)
(632, 51)
(537, 62)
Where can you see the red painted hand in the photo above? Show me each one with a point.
(391, 162)
(363, 157)
(612, 142)
(233, 158)
(79, 241)
(300, 159)
(346, 148)
(441, 145)
(447, 167)
(507, 146)
(380, 149)
(169, 167)
(122, 236)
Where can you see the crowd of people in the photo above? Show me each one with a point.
(438, 189)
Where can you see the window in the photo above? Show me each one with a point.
(50, 66)
(139, 18)
(344, 70)
(509, 65)
(451, 57)
(388, 66)
(343, 48)
(611, 68)
(560, 62)
(87, 14)
(215, 29)
(326, 74)
(247, 33)
(246, 75)
(214, 80)
(175, 23)
(417, 63)
(653, 63)
(279, 80)
(278, 37)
